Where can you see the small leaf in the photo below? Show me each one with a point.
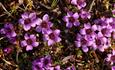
(54, 3)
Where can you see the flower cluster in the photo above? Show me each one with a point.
(96, 36)
(49, 35)
(44, 63)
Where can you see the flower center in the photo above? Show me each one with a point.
(83, 41)
(104, 31)
(29, 41)
(98, 42)
(44, 24)
(88, 31)
(8, 30)
(27, 21)
(113, 58)
(71, 19)
(52, 36)
(38, 67)
(46, 61)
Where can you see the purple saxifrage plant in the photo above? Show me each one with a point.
(52, 37)
(29, 42)
(28, 20)
(71, 19)
(8, 30)
(44, 24)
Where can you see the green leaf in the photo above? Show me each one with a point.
(54, 3)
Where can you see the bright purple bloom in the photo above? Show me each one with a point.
(8, 30)
(43, 63)
(101, 43)
(37, 65)
(111, 57)
(101, 21)
(79, 3)
(29, 42)
(71, 19)
(28, 20)
(88, 31)
(52, 37)
(46, 61)
(84, 42)
(104, 30)
(84, 14)
(44, 24)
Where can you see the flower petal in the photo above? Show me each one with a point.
(32, 16)
(69, 25)
(23, 43)
(74, 2)
(75, 15)
(35, 44)
(77, 23)
(50, 42)
(25, 16)
(29, 47)
(58, 39)
(33, 37)
(46, 17)
(38, 29)
(26, 27)
(38, 21)
(13, 34)
(85, 49)
(21, 21)
(26, 36)
(57, 31)
(78, 43)
(82, 31)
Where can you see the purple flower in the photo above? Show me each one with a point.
(43, 63)
(8, 30)
(88, 31)
(101, 21)
(71, 19)
(28, 20)
(79, 3)
(44, 24)
(29, 42)
(46, 61)
(84, 42)
(84, 14)
(52, 37)
(101, 43)
(37, 65)
(111, 57)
